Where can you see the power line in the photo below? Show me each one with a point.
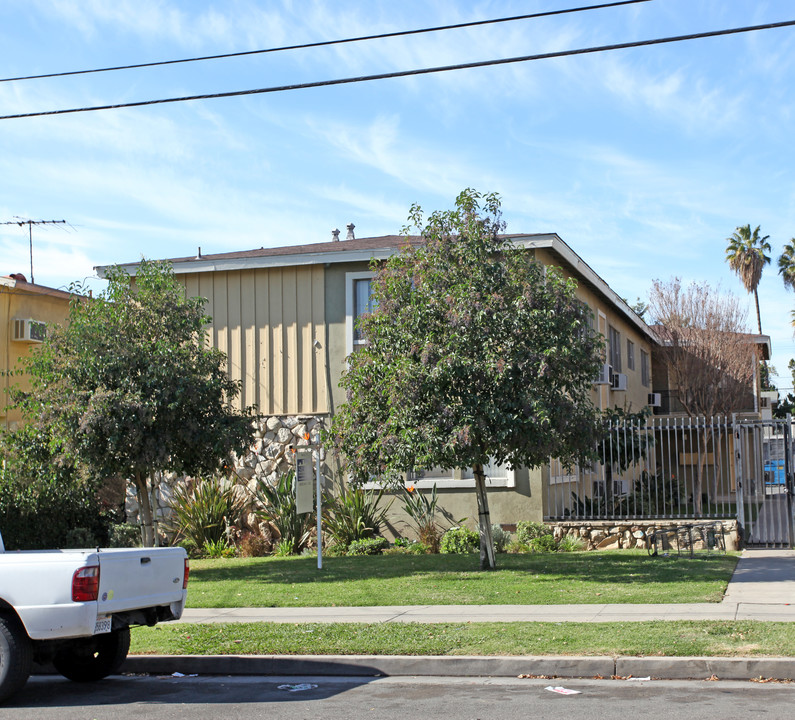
(30, 224)
(324, 43)
(408, 73)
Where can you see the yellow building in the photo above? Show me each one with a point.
(285, 317)
(25, 311)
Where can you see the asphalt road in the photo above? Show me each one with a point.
(291, 698)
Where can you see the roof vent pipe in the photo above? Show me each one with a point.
(350, 235)
(335, 235)
(199, 254)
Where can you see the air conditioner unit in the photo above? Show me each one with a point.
(605, 376)
(619, 381)
(27, 330)
(655, 400)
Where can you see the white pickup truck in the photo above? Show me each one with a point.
(74, 608)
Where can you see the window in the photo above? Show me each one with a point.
(614, 339)
(496, 476)
(644, 368)
(358, 302)
(630, 355)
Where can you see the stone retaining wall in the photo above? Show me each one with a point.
(267, 458)
(614, 535)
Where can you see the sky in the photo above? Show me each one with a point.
(643, 160)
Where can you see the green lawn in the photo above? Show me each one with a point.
(526, 579)
(672, 638)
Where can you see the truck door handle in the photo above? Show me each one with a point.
(145, 560)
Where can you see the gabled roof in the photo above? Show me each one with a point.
(27, 288)
(379, 248)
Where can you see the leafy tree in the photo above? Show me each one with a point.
(787, 406)
(128, 387)
(746, 255)
(475, 352)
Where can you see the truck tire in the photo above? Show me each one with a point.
(16, 656)
(90, 659)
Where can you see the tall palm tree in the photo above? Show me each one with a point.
(786, 268)
(745, 254)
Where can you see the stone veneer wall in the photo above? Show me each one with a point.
(613, 535)
(268, 456)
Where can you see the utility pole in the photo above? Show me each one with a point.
(30, 224)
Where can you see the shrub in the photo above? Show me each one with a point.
(284, 548)
(543, 544)
(353, 513)
(500, 537)
(527, 531)
(412, 548)
(218, 549)
(254, 545)
(335, 550)
(571, 543)
(124, 535)
(42, 515)
(276, 505)
(202, 511)
(460, 540)
(367, 546)
(517, 547)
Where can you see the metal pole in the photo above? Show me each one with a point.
(319, 506)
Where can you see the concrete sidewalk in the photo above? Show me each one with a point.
(761, 588)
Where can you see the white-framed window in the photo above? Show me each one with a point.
(630, 355)
(496, 476)
(358, 301)
(645, 377)
(614, 343)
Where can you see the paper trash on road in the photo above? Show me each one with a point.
(562, 690)
(297, 688)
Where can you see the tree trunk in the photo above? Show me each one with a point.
(144, 510)
(484, 521)
(758, 316)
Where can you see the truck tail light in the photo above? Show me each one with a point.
(85, 584)
(185, 576)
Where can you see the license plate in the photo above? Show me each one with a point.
(102, 625)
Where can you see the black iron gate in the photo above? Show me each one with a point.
(763, 457)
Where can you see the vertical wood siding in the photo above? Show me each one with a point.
(267, 321)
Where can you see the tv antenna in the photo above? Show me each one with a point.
(30, 223)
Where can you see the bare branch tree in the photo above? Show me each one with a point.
(709, 357)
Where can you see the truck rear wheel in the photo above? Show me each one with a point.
(16, 656)
(89, 659)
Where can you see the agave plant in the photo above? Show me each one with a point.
(203, 509)
(354, 513)
(276, 504)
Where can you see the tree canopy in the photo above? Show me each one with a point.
(475, 352)
(128, 386)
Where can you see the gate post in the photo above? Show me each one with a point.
(788, 481)
(738, 481)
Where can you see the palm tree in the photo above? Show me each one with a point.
(786, 268)
(786, 265)
(745, 254)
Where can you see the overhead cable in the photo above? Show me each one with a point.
(409, 73)
(324, 43)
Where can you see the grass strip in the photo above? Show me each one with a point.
(523, 579)
(657, 638)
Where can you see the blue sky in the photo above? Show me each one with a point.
(643, 160)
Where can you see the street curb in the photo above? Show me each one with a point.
(664, 668)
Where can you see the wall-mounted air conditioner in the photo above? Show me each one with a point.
(605, 376)
(655, 400)
(27, 330)
(619, 381)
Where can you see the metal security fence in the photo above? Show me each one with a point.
(680, 467)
